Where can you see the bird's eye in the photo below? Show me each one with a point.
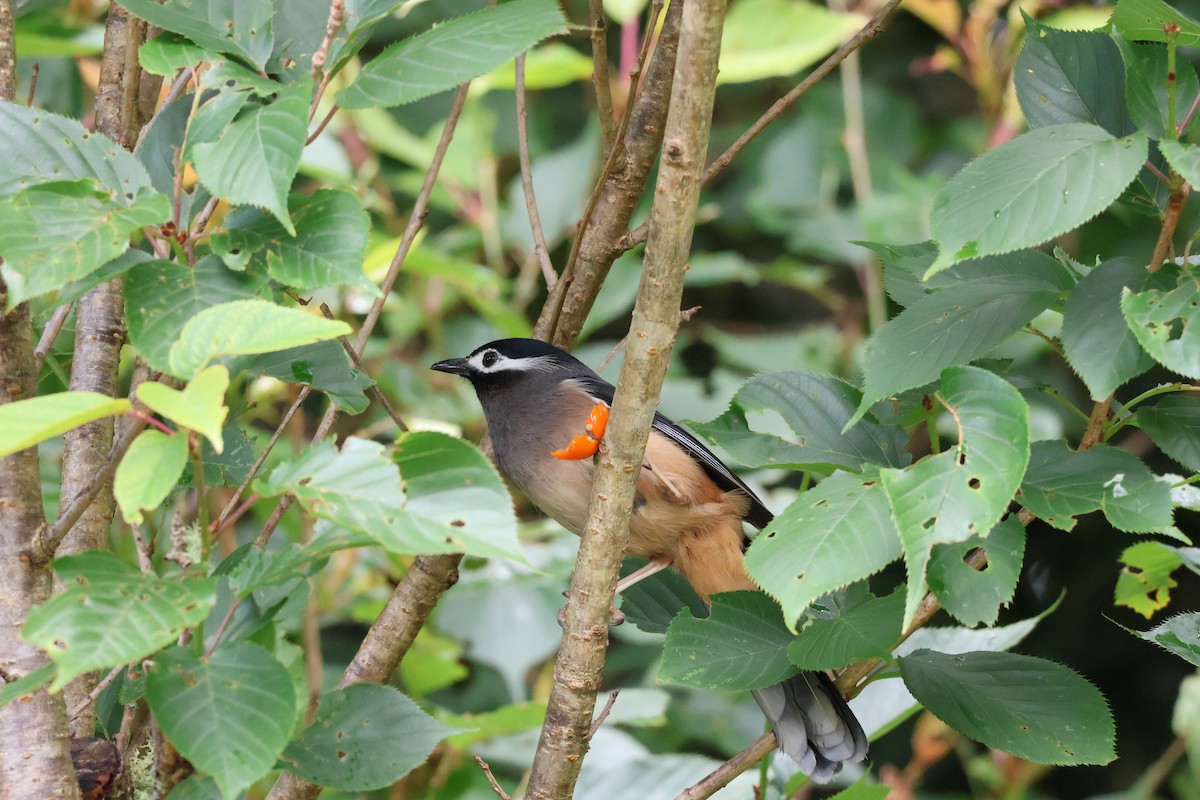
(490, 358)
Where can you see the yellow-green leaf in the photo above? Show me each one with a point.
(199, 407)
(148, 471)
(27, 422)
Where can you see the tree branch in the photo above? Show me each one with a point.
(600, 80)
(580, 663)
(540, 250)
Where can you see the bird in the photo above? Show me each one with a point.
(545, 412)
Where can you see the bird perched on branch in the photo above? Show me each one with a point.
(546, 411)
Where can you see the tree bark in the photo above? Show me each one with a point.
(580, 665)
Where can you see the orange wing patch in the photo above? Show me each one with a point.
(587, 443)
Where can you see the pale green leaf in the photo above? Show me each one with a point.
(1174, 425)
(475, 728)
(1179, 634)
(246, 327)
(1183, 158)
(200, 406)
(148, 472)
(798, 34)
(226, 26)
(1031, 189)
(27, 684)
(110, 613)
(452, 53)
(868, 629)
(1143, 20)
(864, 790)
(1167, 323)
(1146, 88)
(166, 54)
(27, 422)
(975, 596)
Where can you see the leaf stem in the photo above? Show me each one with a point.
(1165, 388)
(1172, 31)
(1067, 404)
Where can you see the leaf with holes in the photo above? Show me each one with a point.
(868, 629)
(1061, 485)
(1143, 20)
(148, 472)
(324, 366)
(742, 644)
(55, 233)
(1174, 425)
(975, 596)
(363, 737)
(1167, 323)
(1145, 583)
(226, 26)
(200, 406)
(230, 714)
(1031, 189)
(1034, 709)
(1096, 341)
(960, 493)
(27, 422)
(832, 535)
(110, 613)
(1179, 634)
(454, 52)
(814, 409)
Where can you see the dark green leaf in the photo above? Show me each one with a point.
(323, 366)
(1179, 634)
(975, 596)
(1167, 323)
(1144, 20)
(167, 53)
(258, 568)
(1031, 708)
(868, 629)
(742, 644)
(864, 790)
(226, 26)
(651, 604)
(118, 266)
(1174, 425)
(363, 737)
(1146, 86)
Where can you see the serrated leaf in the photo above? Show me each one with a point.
(363, 737)
(975, 596)
(226, 26)
(652, 603)
(148, 472)
(1034, 709)
(1096, 341)
(200, 406)
(27, 422)
(110, 613)
(246, 327)
(751, 51)
(452, 53)
(255, 159)
(1145, 583)
(230, 714)
(1071, 76)
(1146, 87)
(323, 366)
(1031, 189)
(1061, 485)
(815, 408)
(258, 568)
(162, 296)
(42, 147)
(1144, 20)
(327, 249)
(868, 629)
(962, 492)
(1174, 425)
(166, 54)
(1167, 323)
(55, 233)
(742, 644)
(957, 324)
(118, 266)
(839, 532)
(1183, 158)
(1179, 634)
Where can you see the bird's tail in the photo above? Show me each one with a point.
(814, 724)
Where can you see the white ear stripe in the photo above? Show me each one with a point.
(491, 361)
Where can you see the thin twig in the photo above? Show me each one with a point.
(204, 216)
(373, 389)
(684, 316)
(177, 86)
(145, 564)
(604, 712)
(1179, 193)
(37, 67)
(53, 327)
(600, 79)
(722, 775)
(95, 692)
(535, 219)
(337, 13)
(312, 137)
(487, 771)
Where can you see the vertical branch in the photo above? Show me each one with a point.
(600, 81)
(580, 664)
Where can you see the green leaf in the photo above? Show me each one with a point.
(1145, 583)
(1071, 76)
(962, 492)
(752, 50)
(327, 249)
(864, 790)
(452, 53)
(652, 603)
(42, 147)
(27, 684)
(27, 422)
(742, 644)
(55, 233)
(258, 568)
(1179, 634)
(814, 409)
(1167, 323)
(323, 366)
(230, 714)
(1183, 158)
(227, 26)
(109, 613)
(512, 718)
(832, 535)
(148, 472)
(255, 159)
(1144, 20)
(199, 407)
(957, 324)
(243, 327)
(118, 266)
(1146, 82)
(1061, 485)
(433, 662)
(1034, 709)
(1032, 189)
(162, 296)
(1096, 341)
(865, 630)
(975, 596)
(364, 737)
(1174, 425)
(166, 54)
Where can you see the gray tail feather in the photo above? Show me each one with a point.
(814, 724)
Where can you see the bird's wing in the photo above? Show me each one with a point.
(759, 515)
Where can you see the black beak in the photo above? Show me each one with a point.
(455, 366)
